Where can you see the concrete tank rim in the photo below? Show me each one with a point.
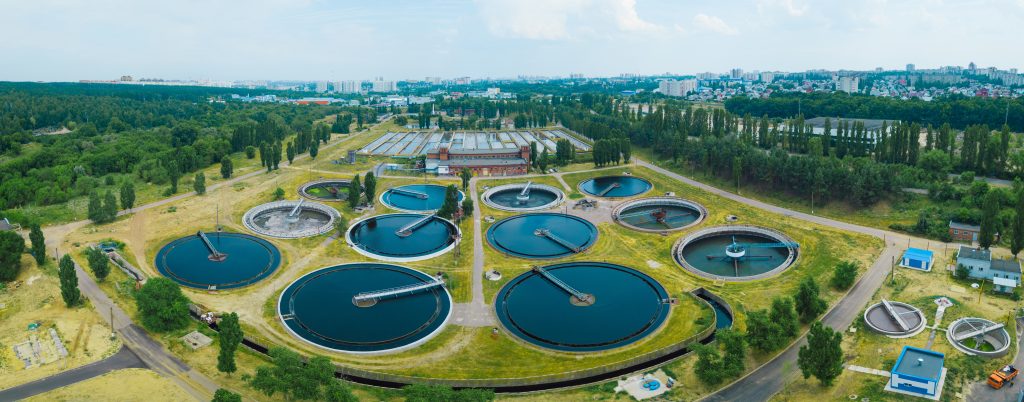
(247, 218)
(916, 330)
(462, 196)
(559, 197)
(791, 260)
(307, 185)
(444, 323)
(351, 244)
(650, 186)
(701, 210)
(974, 352)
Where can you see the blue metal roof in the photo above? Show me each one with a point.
(918, 254)
(919, 363)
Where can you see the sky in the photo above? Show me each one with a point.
(66, 40)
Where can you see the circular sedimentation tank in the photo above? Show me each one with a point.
(736, 253)
(365, 308)
(402, 237)
(326, 190)
(416, 197)
(510, 197)
(290, 219)
(235, 260)
(542, 235)
(615, 186)
(979, 336)
(882, 318)
(620, 306)
(659, 214)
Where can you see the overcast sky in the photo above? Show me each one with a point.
(51, 40)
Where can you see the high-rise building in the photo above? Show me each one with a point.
(321, 86)
(736, 73)
(848, 84)
(767, 77)
(433, 80)
(349, 87)
(380, 85)
(910, 67)
(677, 87)
(973, 67)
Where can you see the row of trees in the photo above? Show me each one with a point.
(958, 111)
(770, 329)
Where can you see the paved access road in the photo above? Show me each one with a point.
(123, 359)
(764, 382)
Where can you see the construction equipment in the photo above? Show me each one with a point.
(1000, 377)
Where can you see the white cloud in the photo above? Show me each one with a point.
(562, 19)
(714, 24)
(624, 13)
(791, 7)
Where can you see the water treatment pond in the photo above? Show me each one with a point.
(615, 186)
(381, 237)
(627, 306)
(320, 308)
(542, 235)
(659, 214)
(511, 197)
(416, 197)
(756, 253)
(188, 261)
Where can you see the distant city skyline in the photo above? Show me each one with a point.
(317, 40)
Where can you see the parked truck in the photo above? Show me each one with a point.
(1000, 377)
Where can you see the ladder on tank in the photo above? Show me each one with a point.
(370, 298)
(542, 232)
(407, 230)
(524, 195)
(214, 254)
(410, 193)
(293, 216)
(608, 189)
(895, 315)
(562, 285)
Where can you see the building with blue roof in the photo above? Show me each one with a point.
(915, 258)
(918, 372)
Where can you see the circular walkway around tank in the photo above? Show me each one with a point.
(627, 306)
(643, 214)
(273, 219)
(377, 237)
(704, 253)
(320, 308)
(615, 186)
(187, 261)
(542, 235)
(878, 319)
(318, 190)
(407, 198)
(506, 197)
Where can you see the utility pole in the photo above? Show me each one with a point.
(892, 269)
(112, 333)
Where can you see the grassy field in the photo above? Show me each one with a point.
(868, 349)
(146, 385)
(35, 298)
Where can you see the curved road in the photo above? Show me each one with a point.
(767, 380)
(137, 341)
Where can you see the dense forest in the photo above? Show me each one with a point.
(62, 141)
(856, 166)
